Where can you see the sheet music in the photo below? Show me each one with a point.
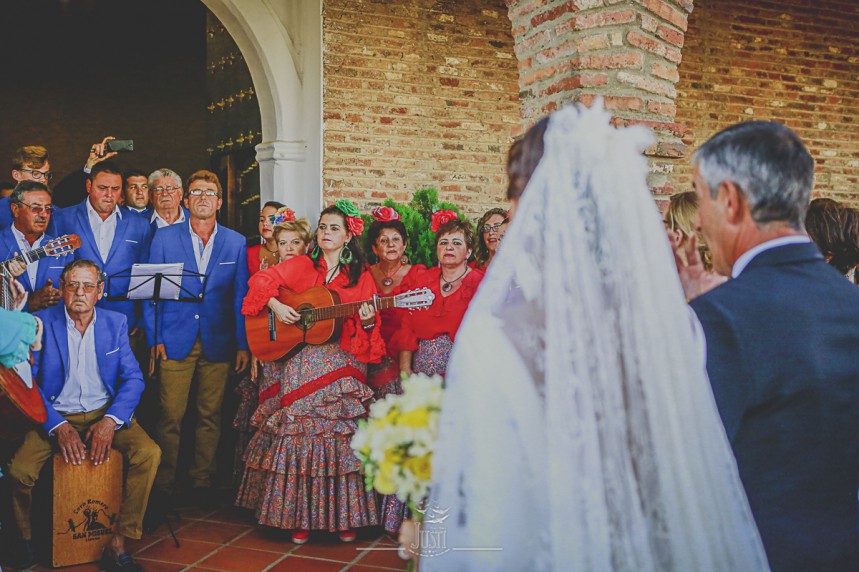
(142, 285)
(24, 372)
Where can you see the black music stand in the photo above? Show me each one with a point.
(156, 279)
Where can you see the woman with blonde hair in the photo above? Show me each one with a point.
(680, 224)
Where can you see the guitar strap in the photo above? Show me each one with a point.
(321, 382)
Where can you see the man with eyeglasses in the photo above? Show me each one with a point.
(199, 339)
(91, 385)
(165, 186)
(114, 238)
(31, 207)
(136, 192)
(29, 163)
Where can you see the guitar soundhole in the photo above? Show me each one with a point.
(306, 322)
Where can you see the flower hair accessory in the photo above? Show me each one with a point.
(385, 214)
(441, 217)
(353, 216)
(283, 214)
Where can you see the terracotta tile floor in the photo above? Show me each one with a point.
(228, 540)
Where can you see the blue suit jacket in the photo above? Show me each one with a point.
(218, 320)
(117, 365)
(130, 246)
(6, 216)
(153, 226)
(783, 360)
(50, 267)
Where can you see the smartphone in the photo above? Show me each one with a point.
(120, 145)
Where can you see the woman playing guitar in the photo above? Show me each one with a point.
(309, 479)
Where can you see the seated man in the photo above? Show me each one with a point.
(91, 384)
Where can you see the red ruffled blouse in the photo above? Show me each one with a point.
(253, 258)
(393, 317)
(299, 274)
(443, 317)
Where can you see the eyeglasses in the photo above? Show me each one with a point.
(171, 189)
(492, 227)
(39, 209)
(38, 175)
(88, 287)
(200, 192)
(134, 187)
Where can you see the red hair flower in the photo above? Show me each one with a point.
(385, 214)
(441, 217)
(283, 214)
(352, 215)
(355, 224)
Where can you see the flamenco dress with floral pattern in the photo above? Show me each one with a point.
(300, 472)
(384, 378)
(258, 398)
(430, 333)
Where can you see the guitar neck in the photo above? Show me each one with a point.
(343, 310)
(29, 257)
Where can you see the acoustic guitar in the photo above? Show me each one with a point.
(321, 319)
(21, 407)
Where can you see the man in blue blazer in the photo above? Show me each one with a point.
(90, 383)
(782, 338)
(31, 205)
(165, 185)
(136, 192)
(199, 338)
(29, 163)
(112, 237)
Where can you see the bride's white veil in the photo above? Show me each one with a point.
(579, 430)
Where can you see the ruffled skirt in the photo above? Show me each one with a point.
(300, 472)
(432, 355)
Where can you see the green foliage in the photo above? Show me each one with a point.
(416, 217)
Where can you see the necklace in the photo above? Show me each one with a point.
(389, 278)
(332, 273)
(448, 286)
(269, 250)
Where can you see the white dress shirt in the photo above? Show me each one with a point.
(103, 230)
(161, 223)
(746, 257)
(84, 390)
(202, 253)
(33, 267)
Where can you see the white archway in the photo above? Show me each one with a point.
(282, 46)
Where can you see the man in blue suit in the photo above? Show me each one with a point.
(167, 209)
(112, 237)
(782, 338)
(90, 383)
(31, 205)
(197, 338)
(136, 192)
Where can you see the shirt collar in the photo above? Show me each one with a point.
(156, 216)
(71, 323)
(750, 254)
(91, 211)
(19, 236)
(195, 235)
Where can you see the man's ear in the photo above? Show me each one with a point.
(734, 203)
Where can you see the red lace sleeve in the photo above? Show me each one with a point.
(296, 274)
(366, 345)
(404, 339)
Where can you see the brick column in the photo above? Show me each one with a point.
(624, 50)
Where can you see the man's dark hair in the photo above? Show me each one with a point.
(17, 196)
(105, 167)
(767, 162)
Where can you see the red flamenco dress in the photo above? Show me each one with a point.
(384, 378)
(430, 333)
(257, 398)
(300, 472)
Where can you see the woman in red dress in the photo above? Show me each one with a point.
(393, 275)
(258, 392)
(426, 337)
(307, 477)
(263, 255)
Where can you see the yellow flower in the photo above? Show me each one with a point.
(384, 481)
(415, 418)
(421, 467)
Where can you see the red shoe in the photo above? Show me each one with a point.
(300, 536)
(348, 536)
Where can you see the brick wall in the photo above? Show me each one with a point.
(794, 61)
(624, 50)
(418, 93)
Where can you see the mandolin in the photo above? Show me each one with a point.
(321, 319)
(21, 407)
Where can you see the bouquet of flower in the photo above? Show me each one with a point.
(395, 445)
